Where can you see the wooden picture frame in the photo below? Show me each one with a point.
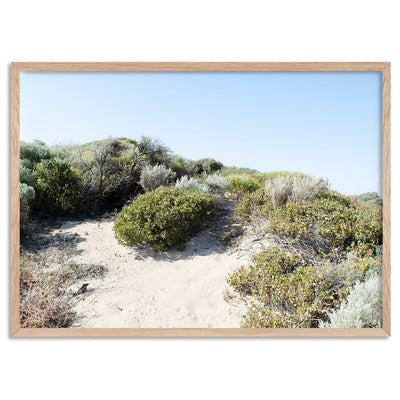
(17, 67)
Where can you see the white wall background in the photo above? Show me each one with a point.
(207, 30)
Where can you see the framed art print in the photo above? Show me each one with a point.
(200, 199)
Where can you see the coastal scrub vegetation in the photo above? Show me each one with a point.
(322, 267)
(326, 244)
(164, 217)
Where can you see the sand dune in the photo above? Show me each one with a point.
(143, 288)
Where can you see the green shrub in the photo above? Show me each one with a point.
(285, 292)
(288, 292)
(155, 176)
(253, 205)
(57, 187)
(338, 220)
(240, 185)
(163, 218)
(182, 166)
(208, 166)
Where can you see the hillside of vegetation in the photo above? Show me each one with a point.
(318, 263)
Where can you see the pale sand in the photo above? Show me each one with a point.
(146, 289)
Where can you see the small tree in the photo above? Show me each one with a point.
(103, 155)
(150, 151)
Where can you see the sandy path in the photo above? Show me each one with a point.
(147, 289)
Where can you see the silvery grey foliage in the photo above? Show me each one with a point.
(191, 183)
(361, 309)
(155, 176)
(216, 183)
(279, 189)
(26, 175)
(26, 194)
(294, 189)
(307, 187)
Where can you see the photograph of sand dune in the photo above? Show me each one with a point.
(207, 199)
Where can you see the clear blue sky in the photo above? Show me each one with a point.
(323, 123)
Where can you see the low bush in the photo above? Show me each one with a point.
(182, 166)
(26, 194)
(164, 218)
(331, 218)
(34, 152)
(363, 307)
(208, 166)
(307, 187)
(217, 183)
(279, 190)
(240, 185)
(285, 293)
(191, 183)
(253, 205)
(57, 187)
(155, 176)
(296, 189)
(353, 268)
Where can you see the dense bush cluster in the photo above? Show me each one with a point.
(325, 270)
(47, 182)
(103, 175)
(337, 242)
(288, 292)
(329, 221)
(163, 218)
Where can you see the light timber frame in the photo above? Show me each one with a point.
(17, 67)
